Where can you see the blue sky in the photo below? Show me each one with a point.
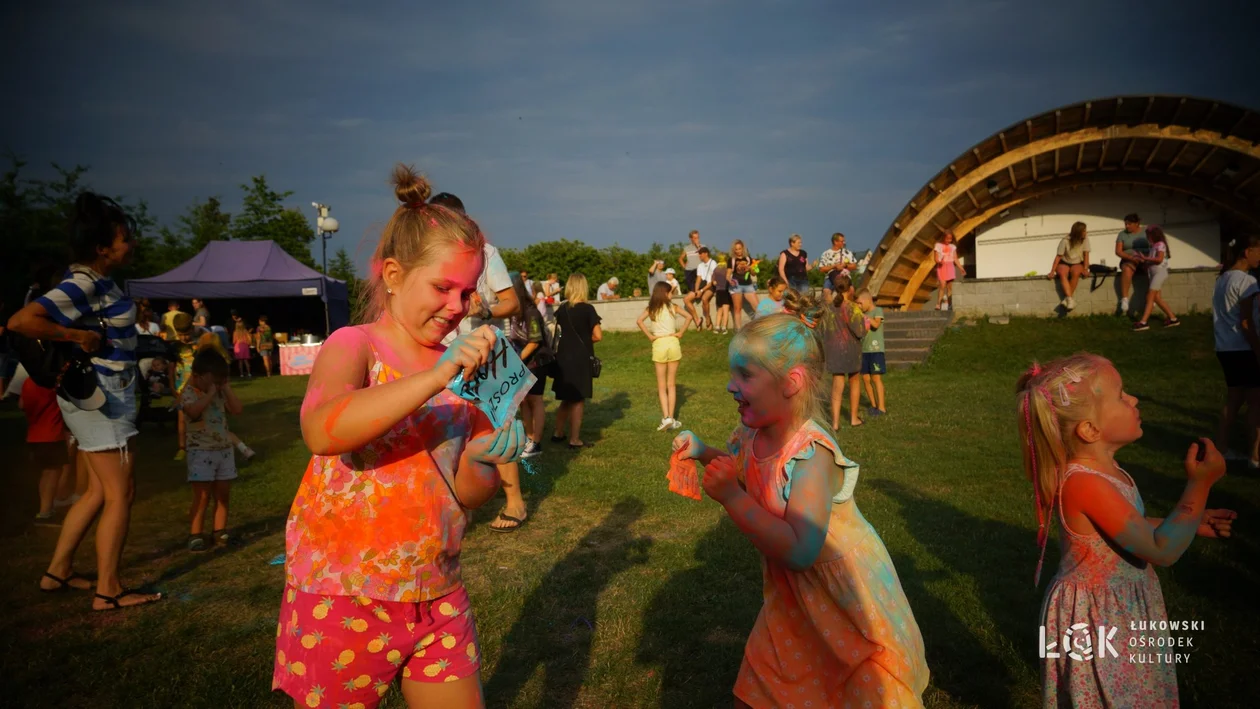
(625, 122)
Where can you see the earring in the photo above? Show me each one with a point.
(389, 291)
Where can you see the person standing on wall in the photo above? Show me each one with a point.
(1131, 244)
(690, 259)
(835, 262)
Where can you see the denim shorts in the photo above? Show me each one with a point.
(800, 285)
(109, 427)
(210, 465)
(750, 288)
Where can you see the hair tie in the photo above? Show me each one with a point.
(1233, 243)
(421, 204)
(1034, 370)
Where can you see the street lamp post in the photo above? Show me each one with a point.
(326, 226)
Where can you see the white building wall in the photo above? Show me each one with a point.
(1025, 241)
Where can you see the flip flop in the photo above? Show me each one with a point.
(64, 584)
(508, 518)
(113, 600)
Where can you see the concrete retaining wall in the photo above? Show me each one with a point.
(621, 315)
(1184, 291)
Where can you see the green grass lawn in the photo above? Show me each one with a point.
(617, 593)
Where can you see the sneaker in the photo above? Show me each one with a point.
(665, 423)
(1172, 323)
(222, 538)
(196, 543)
(48, 520)
(181, 455)
(1140, 326)
(1124, 305)
(872, 411)
(1071, 303)
(68, 502)
(533, 449)
(676, 424)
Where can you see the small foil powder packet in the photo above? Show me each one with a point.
(499, 385)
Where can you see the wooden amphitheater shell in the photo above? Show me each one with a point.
(1197, 147)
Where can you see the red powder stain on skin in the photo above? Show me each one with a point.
(338, 409)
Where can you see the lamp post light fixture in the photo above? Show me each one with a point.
(326, 226)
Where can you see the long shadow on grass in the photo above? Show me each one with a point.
(696, 624)
(998, 568)
(557, 621)
(244, 535)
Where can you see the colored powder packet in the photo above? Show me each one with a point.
(500, 385)
(682, 476)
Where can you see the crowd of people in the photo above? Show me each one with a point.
(373, 592)
(1140, 250)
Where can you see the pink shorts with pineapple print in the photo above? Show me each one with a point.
(346, 651)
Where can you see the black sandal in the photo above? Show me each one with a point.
(508, 518)
(64, 584)
(113, 600)
(559, 439)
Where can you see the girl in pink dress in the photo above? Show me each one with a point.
(373, 592)
(946, 255)
(1074, 415)
(835, 628)
(240, 348)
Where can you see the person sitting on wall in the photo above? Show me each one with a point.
(1071, 262)
(608, 291)
(1131, 244)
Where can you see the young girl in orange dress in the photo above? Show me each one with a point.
(1074, 415)
(835, 628)
(372, 544)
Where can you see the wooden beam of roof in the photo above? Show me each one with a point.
(1010, 172)
(1239, 187)
(1089, 106)
(1206, 156)
(1080, 154)
(1180, 104)
(1124, 161)
(1150, 101)
(1177, 157)
(1102, 154)
(1245, 115)
(1032, 162)
(1056, 162)
(1147, 165)
(916, 280)
(971, 197)
(1058, 116)
(1207, 117)
(1002, 138)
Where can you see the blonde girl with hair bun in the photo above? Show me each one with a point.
(830, 586)
(372, 543)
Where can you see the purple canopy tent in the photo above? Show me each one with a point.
(247, 269)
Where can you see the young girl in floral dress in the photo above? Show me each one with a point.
(373, 587)
(835, 628)
(1074, 415)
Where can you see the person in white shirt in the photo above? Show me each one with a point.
(608, 291)
(702, 288)
(689, 259)
(835, 261)
(495, 299)
(672, 280)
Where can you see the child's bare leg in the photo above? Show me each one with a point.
(671, 387)
(855, 399)
(662, 392)
(837, 395)
(1159, 300)
(866, 384)
(222, 501)
(879, 391)
(197, 513)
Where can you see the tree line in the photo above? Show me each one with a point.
(34, 214)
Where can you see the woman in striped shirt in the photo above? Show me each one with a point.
(88, 309)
